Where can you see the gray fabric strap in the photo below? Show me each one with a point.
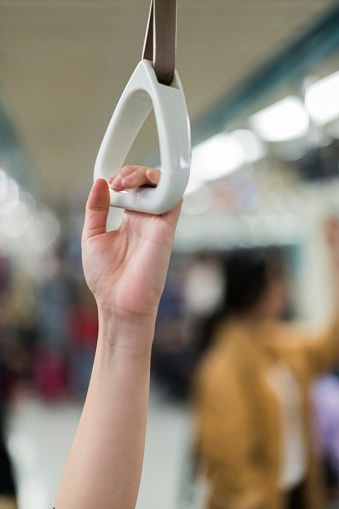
(159, 46)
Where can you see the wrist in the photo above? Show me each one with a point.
(126, 334)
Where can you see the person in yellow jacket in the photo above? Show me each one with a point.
(254, 426)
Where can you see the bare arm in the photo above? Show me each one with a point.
(126, 271)
(320, 350)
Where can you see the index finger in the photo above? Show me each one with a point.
(131, 177)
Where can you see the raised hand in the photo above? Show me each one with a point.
(126, 268)
(331, 227)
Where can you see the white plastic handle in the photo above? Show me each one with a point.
(142, 92)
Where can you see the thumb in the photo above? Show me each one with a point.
(97, 208)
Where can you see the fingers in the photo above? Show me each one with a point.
(131, 177)
(97, 208)
(153, 176)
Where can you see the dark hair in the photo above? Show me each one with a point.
(247, 276)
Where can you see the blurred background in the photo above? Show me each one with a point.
(261, 81)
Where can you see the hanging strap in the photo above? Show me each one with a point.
(159, 45)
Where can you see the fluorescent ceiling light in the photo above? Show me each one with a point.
(11, 199)
(253, 148)
(285, 120)
(216, 157)
(322, 99)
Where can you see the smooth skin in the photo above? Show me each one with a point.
(126, 270)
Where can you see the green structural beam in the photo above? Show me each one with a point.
(318, 43)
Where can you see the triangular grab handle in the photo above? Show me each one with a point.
(142, 93)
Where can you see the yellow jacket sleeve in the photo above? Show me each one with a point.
(320, 352)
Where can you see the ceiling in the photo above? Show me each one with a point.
(64, 64)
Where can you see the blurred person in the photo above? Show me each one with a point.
(325, 397)
(172, 352)
(55, 297)
(7, 483)
(83, 332)
(254, 429)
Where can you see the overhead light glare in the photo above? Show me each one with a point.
(253, 148)
(285, 120)
(322, 99)
(216, 157)
(11, 199)
(45, 230)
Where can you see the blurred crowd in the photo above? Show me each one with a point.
(48, 330)
(218, 318)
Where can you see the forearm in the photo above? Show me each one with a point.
(104, 466)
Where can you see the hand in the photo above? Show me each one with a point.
(331, 227)
(126, 268)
